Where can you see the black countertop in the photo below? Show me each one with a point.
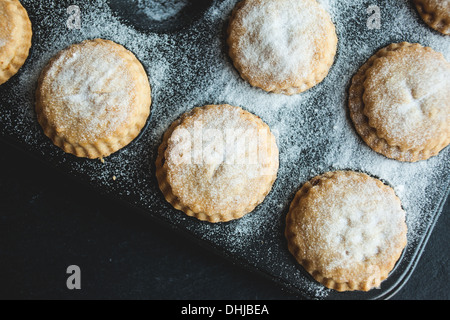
(48, 223)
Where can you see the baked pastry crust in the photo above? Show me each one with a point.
(399, 102)
(15, 38)
(347, 230)
(93, 98)
(284, 46)
(435, 13)
(217, 163)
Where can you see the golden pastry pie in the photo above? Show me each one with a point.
(347, 230)
(284, 46)
(93, 98)
(15, 38)
(435, 13)
(217, 163)
(399, 101)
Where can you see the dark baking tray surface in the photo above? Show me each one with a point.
(188, 66)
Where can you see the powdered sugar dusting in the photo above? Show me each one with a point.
(354, 221)
(408, 100)
(281, 38)
(191, 68)
(219, 160)
(160, 10)
(93, 86)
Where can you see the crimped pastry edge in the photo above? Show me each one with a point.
(433, 19)
(290, 234)
(166, 189)
(22, 50)
(106, 146)
(290, 88)
(361, 122)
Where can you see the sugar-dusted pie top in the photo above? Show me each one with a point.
(90, 90)
(347, 228)
(282, 44)
(6, 23)
(15, 38)
(13, 24)
(220, 161)
(407, 97)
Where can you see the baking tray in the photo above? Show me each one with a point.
(188, 66)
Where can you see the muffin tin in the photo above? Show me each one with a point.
(188, 66)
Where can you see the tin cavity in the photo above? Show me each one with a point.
(160, 10)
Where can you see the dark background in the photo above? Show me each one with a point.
(48, 222)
